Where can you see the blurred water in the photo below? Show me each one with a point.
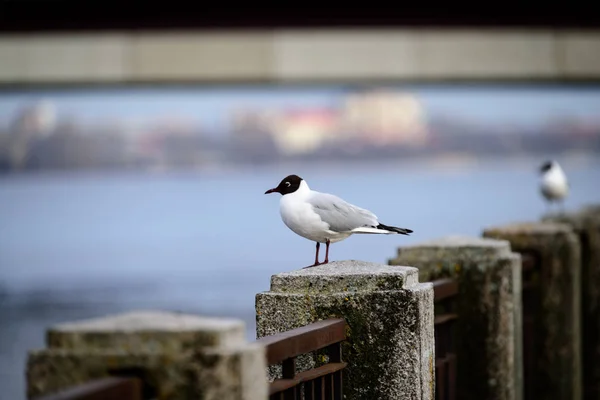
(81, 245)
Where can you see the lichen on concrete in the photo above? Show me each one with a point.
(586, 224)
(488, 329)
(591, 209)
(389, 319)
(147, 330)
(357, 276)
(51, 370)
(557, 321)
(174, 353)
(235, 372)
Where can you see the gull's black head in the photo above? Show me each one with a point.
(288, 185)
(545, 167)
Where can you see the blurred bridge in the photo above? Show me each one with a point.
(60, 42)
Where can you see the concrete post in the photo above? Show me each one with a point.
(586, 224)
(591, 209)
(179, 356)
(390, 344)
(555, 372)
(488, 329)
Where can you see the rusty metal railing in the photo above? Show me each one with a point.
(114, 388)
(530, 302)
(445, 290)
(324, 382)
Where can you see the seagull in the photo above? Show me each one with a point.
(323, 217)
(553, 183)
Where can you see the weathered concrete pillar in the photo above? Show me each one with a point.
(591, 209)
(488, 328)
(586, 224)
(390, 344)
(552, 345)
(179, 356)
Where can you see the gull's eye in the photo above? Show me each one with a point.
(288, 184)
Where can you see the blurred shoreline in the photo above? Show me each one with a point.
(241, 131)
(443, 162)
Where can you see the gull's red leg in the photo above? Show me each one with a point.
(327, 243)
(316, 257)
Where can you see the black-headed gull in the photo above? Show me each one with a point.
(323, 217)
(553, 182)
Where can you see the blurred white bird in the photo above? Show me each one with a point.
(554, 185)
(323, 217)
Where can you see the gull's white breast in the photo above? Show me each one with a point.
(299, 216)
(554, 184)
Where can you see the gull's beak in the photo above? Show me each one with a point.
(271, 191)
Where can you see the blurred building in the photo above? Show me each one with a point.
(32, 122)
(374, 118)
(305, 130)
(251, 135)
(383, 118)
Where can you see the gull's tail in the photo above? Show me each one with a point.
(402, 231)
(382, 229)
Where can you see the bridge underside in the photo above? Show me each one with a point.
(62, 42)
(70, 15)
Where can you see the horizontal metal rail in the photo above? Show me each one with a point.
(444, 288)
(318, 335)
(324, 382)
(114, 388)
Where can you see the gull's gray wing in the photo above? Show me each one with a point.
(339, 214)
